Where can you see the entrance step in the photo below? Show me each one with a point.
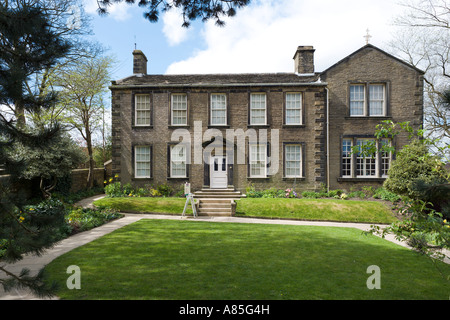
(217, 202)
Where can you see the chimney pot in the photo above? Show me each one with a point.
(139, 62)
(304, 60)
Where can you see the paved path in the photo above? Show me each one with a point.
(35, 263)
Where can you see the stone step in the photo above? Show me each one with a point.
(214, 214)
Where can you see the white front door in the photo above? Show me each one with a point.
(218, 172)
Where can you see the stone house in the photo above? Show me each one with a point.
(282, 130)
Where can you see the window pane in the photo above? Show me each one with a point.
(258, 155)
(142, 105)
(142, 162)
(365, 165)
(258, 109)
(293, 108)
(357, 100)
(178, 161)
(376, 100)
(293, 160)
(218, 109)
(385, 158)
(347, 158)
(179, 109)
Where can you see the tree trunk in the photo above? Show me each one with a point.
(90, 178)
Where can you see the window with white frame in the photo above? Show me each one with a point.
(385, 158)
(142, 161)
(377, 100)
(178, 161)
(293, 160)
(293, 108)
(218, 109)
(357, 97)
(142, 110)
(367, 100)
(347, 158)
(258, 108)
(179, 109)
(258, 161)
(365, 163)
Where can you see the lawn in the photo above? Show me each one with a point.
(186, 259)
(304, 209)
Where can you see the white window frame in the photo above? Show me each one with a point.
(256, 106)
(386, 158)
(257, 156)
(346, 154)
(218, 107)
(357, 100)
(288, 161)
(138, 103)
(174, 106)
(176, 160)
(138, 161)
(373, 100)
(294, 105)
(366, 163)
(368, 100)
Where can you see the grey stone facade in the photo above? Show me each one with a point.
(320, 162)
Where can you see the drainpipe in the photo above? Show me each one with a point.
(328, 140)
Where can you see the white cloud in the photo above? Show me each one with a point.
(263, 37)
(172, 29)
(118, 11)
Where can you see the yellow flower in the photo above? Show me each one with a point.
(31, 209)
(21, 219)
(116, 176)
(445, 220)
(111, 179)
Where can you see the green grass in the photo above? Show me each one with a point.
(305, 209)
(173, 259)
(316, 209)
(146, 204)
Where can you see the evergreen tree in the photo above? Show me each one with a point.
(28, 45)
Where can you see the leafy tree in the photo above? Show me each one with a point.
(422, 40)
(68, 22)
(191, 9)
(425, 185)
(81, 91)
(414, 163)
(28, 45)
(50, 162)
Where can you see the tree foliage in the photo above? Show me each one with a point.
(28, 45)
(81, 90)
(53, 161)
(191, 9)
(422, 40)
(421, 179)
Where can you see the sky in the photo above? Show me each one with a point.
(262, 37)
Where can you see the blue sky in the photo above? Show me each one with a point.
(262, 37)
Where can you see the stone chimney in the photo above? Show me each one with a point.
(304, 60)
(139, 62)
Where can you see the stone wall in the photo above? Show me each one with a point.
(404, 85)
(79, 178)
(311, 134)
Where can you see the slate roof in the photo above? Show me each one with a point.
(218, 80)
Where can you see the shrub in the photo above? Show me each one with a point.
(82, 219)
(165, 190)
(310, 194)
(383, 194)
(413, 163)
(114, 190)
